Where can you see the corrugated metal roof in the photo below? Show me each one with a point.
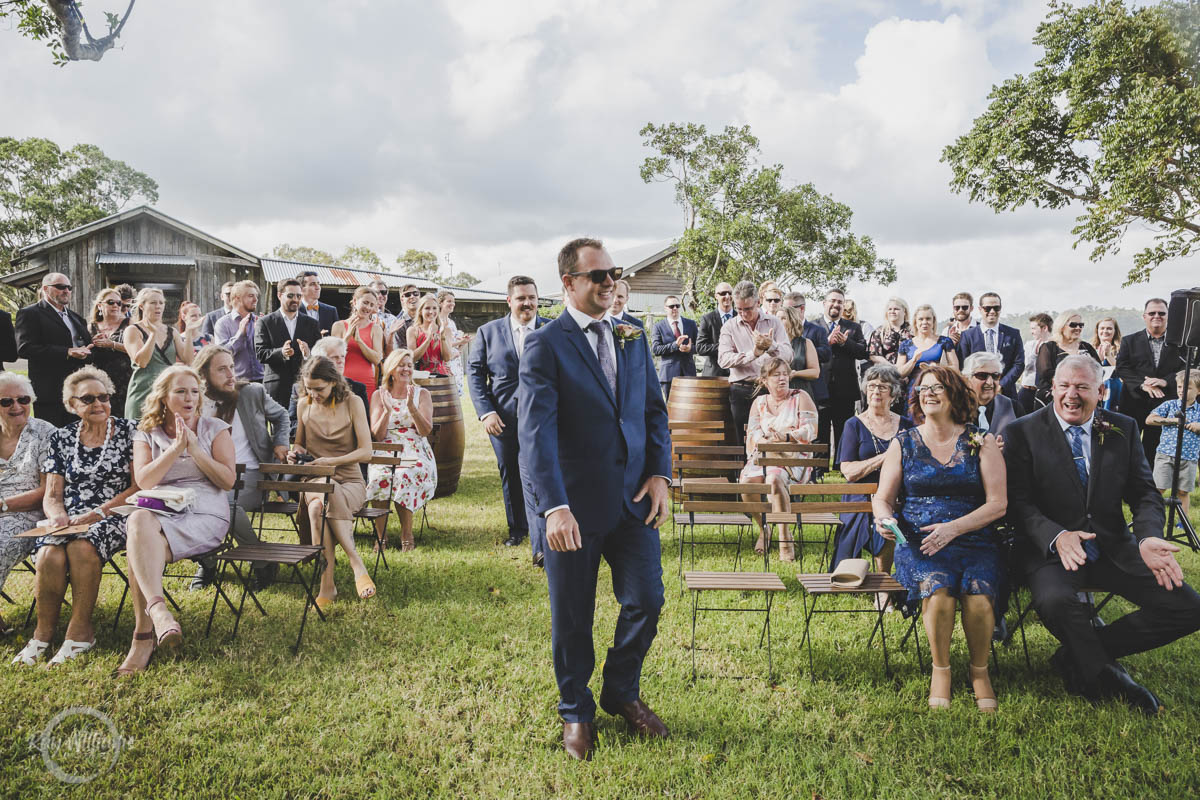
(276, 269)
(149, 259)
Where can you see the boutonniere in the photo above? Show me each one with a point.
(975, 441)
(1104, 426)
(627, 333)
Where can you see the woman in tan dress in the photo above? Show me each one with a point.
(331, 424)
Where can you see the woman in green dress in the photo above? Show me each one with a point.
(152, 347)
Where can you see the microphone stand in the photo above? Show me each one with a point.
(1174, 504)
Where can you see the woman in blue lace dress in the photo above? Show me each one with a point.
(943, 484)
(925, 347)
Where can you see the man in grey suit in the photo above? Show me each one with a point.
(984, 372)
(260, 431)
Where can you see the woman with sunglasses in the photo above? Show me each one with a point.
(1066, 339)
(89, 472)
(107, 326)
(24, 443)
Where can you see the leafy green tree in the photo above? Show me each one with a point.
(418, 264)
(742, 222)
(463, 280)
(308, 255)
(359, 257)
(1109, 119)
(60, 24)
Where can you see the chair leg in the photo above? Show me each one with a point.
(695, 612)
(124, 593)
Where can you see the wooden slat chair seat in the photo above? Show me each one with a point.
(700, 461)
(369, 514)
(766, 582)
(714, 503)
(287, 555)
(696, 425)
(810, 507)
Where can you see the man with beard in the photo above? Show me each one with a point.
(960, 320)
(235, 330)
(282, 340)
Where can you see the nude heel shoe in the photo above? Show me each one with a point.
(939, 702)
(987, 705)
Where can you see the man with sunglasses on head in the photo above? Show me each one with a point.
(55, 342)
(1146, 365)
(310, 302)
(708, 336)
(989, 336)
(596, 464)
(674, 342)
(960, 317)
(747, 340)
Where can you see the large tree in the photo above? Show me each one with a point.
(60, 24)
(418, 264)
(1109, 119)
(309, 255)
(359, 257)
(743, 222)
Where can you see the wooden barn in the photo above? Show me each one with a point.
(143, 247)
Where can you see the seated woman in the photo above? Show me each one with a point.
(331, 424)
(24, 443)
(174, 448)
(89, 472)
(944, 484)
(402, 413)
(781, 415)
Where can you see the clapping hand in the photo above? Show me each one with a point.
(685, 344)
(762, 343)
(80, 352)
(241, 331)
(189, 438)
(955, 334)
(838, 336)
(287, 349)
(304, 349)
(1159, 555)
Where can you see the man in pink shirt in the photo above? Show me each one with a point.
(746, 341)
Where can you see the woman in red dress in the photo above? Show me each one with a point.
(430, 339)
(363, 336)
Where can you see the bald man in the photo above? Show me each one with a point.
(55, 342)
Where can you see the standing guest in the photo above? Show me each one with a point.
(493, 369)
(766, 286)
(819, 336)
(864, 446)
(805, 368)
(1066, 339)
(772, 300)
(747, 341)
(152, 347)
(190, 325)
(883, 345)
(849, 347)
(128, 293)
(429, 338)
(88, 472)
(402, 413)
(174, 448)
(260, 429)
(310, 302)
(24, 444)
(332, 425)
(960, 320)
(8, 339)
(458, 339)
(989, 336)
(235, 330)
(779, 414)
(1070, 468)
(210, 319)
(708, 335)
(1039, 333)
(593, 428)
(54, 340)
(924, 348)
(333, 348)
(1106, 339)
(620, 299)
(107, 329)
(385, 317)
(396, 335)
(850, 314)
(674, 340)
(282, 340)
(1145, 364)
(943, 483)
(1166, 415)
(363, 337)
(994, 412)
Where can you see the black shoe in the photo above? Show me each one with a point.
(539, 560)
(204, 578)
(513, 540)
(1114, 681)
(1065, 667)
(1000, 631)
(265, 577)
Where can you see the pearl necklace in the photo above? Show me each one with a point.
(79, 468)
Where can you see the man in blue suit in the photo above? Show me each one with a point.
(617, 309)
(493, 370)
(674, 341)
(593, 430)
(989, 336)
(311, 305)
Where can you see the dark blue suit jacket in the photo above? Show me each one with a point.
(1011, 350)
(327, 315)
(820, 339)
(671, 362)
(631, 319)
(493, 370)
(581, 446)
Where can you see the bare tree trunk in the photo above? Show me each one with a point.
(73, 27)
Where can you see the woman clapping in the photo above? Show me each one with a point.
(363, 336)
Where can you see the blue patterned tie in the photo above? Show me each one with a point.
(1076, 435)
(728, 315)
(608, 364)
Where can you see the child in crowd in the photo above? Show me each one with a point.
(1167, 415)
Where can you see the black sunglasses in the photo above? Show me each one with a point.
(112, 302)
(1156, 313)
(598, 275)
(773, 299)
(673, 305)
(986, 376)
(411, 294)
(962, 308)
(62, 287)
(6, 402)
(724, 294)
(86, 399)
(989, 308)
(1075, 325)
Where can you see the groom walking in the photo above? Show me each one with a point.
(593, 431)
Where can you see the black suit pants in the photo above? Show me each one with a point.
(52, 411)
(741, 397)
(831, 419)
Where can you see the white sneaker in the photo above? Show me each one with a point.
(32, 651)
(70, 649)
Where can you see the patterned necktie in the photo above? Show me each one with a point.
(983, 420)
(991, 340)
(608, 364)
(1090, 549)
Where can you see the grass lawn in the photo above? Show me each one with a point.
(441, 686)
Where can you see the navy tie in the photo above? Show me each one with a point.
(728, 315)
(604, 353)
(1081, 466)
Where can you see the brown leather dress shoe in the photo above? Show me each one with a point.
(579, 740)
(639, 716)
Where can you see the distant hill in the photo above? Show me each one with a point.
(1128, 319)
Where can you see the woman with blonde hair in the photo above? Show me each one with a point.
(151, 346)
(107, 325)
(1106, 339)
(884, 344)
(402, 413)
(429, 338)
(458, 340)
(925, 347)
(363, 336)
(1066, 339)
(805, 368)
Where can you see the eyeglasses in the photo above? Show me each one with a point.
(933, 389)
(1156, 313)
(878, 388)
(126, 306)
(984, 377)
(1076, 325)
(989, 309)
(86, 399)
(6, 402)
(62, 287)
(598, 275)
(724, 294)
(112, 302)
(411, 294)
(673, 305)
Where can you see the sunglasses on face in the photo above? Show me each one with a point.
(724, 294)
(291, 296)
(86, 399)
(62, 287)
(1076, 325)
(6, 402)
(673, 305)
(989, 309)
(984, 377)
(1156, 313)
(962, 308)
(112, 302)
(411, 294)
(598, 275)
(773, 299)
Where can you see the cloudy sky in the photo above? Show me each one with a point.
(496, 130)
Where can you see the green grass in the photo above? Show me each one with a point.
(441, 686)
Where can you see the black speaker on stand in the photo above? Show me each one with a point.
(1183, 330)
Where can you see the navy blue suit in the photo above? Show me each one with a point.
(493, 378)
(671, 361)
(630, 319)
(1008, 347)
(584, 448)
(820, 338)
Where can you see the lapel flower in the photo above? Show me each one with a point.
(975, 441)
(1102, 425)
(627, 333)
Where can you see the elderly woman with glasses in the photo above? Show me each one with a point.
(24, 443)
(1066, 339)
(88, 470)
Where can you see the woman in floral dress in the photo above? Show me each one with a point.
(402, 413)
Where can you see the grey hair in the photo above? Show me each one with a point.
(979, 359)
(745, 290)
(328, 345)
(11, 380)
(883, 373)
(1082, 362)
(85, 373)
(797, 298)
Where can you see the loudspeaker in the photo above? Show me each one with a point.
(1183, 318)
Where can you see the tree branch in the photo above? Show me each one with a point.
(72, 25)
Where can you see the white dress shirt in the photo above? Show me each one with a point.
(290, 323)
(518, 342)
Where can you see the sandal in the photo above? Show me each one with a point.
(935, 701)
(125, 672)
(172, 636)
(364, 586)
(988, 705)
(70, 649)
(323, 603)
(31, 652)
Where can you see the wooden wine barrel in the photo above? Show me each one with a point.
(696, 399)
(449, 438)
